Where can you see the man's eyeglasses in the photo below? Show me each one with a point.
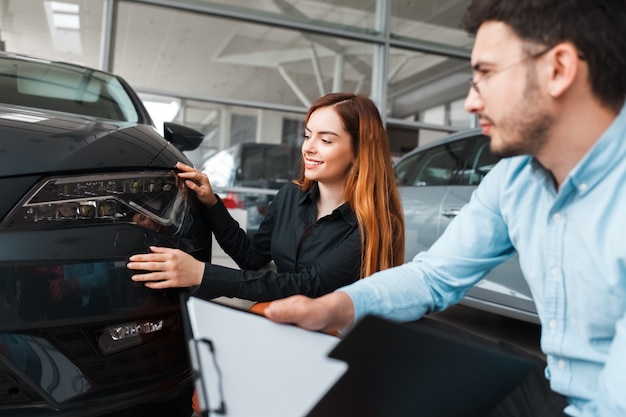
(474, 83)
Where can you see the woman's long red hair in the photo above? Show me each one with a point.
(371, 188)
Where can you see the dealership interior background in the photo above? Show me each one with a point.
(246, 71)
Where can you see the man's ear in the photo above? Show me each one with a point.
(564, 68)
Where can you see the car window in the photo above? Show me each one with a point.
(282, 163)
(484, 160)
(405, 168)
(253, 165)
(268, 166)
(462, 162)
(437, 165)
(476, 162)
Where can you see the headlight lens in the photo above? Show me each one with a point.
(154, 200)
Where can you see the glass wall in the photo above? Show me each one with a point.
(247, 71)
(435, 24)
(66, 31)
(225, 59)
(350, 13)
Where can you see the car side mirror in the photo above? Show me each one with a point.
(182, 137)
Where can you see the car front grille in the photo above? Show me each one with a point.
(151, 359)
(149, 365)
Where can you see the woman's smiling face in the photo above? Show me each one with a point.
(327, 152)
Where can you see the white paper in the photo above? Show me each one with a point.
(267, 369)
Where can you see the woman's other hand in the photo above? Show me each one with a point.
(166, 268)
(197, 182)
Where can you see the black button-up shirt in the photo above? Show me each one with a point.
(312, 257)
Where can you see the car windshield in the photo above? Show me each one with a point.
(66, 88)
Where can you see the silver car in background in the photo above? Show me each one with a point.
(436, 180)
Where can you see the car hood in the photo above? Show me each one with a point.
(36, 142)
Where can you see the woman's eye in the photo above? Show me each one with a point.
(307, 137)
(325, 140)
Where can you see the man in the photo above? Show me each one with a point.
(549, 86)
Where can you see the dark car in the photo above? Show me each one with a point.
(248, 175)
(436, 180)
(86, 181)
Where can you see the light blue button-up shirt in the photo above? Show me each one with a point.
(572, 251)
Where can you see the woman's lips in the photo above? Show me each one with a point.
(309, 164)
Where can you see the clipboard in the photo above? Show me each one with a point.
(248, 366)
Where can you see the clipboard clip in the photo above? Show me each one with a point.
(221, 408)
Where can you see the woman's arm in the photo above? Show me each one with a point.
(336, 268)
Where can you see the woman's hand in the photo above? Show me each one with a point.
(197, 182)
(167, 268)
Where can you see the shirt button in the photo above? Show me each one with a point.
(554, 271)
(582, 187)
(556, 217)
(553, 324)
(562, 364)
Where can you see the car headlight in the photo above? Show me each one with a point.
(151, 199)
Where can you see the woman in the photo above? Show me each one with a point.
(340, 221)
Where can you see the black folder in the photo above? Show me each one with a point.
(419, 370)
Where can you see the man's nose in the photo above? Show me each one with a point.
(473, 102)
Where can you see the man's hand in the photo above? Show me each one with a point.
(167, 268)
(329, 313)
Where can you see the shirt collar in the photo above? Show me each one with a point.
(310, 196)
(608, 151)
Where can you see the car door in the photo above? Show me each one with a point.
(424, 179)
(435, 183)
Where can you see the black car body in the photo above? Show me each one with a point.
(87, 181)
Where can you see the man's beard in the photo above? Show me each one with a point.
(526, 131)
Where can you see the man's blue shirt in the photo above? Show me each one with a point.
(572, 250)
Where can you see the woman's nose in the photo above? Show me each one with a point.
(308, 146)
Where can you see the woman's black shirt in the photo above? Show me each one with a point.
(312, 257)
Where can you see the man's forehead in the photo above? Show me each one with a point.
(495, 42)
